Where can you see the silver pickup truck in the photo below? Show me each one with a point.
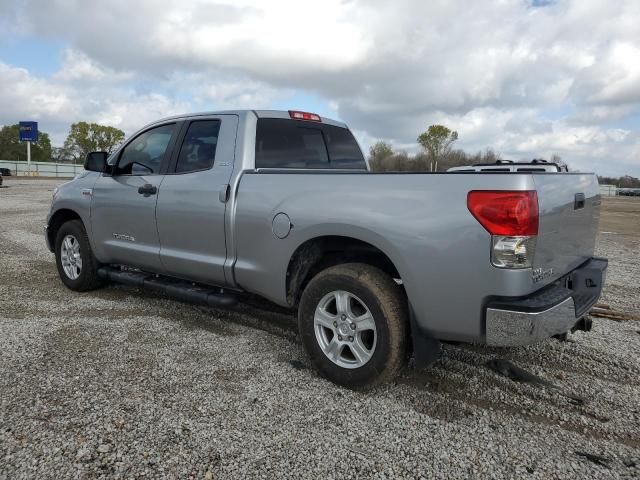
(379, 266)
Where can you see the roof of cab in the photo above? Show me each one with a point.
(258, 113)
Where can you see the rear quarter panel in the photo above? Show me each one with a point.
(420, 221)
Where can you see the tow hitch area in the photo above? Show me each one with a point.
(583, 324)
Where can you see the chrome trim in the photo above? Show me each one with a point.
(506, 328)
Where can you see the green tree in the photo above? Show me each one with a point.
(437, 141)
(378, 153)
(11, 148)
(92, 137)
(62, 155)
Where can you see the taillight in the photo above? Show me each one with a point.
(505, 213)
(312, 117)
(511, 217)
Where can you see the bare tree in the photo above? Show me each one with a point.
(378, 153)
(557, 159)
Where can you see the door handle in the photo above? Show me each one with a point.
(147, 189)
(224, 193)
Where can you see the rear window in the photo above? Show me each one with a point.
(282, 143)
(198, 149)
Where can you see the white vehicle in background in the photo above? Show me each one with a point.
(537, 166)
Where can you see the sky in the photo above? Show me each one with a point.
(527, 78)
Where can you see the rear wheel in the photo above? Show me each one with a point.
(77, 267)
(353, 323)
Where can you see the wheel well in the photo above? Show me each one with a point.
(319, 253)
(60, 218)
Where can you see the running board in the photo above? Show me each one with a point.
(178, 289)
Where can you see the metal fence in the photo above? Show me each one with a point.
(608, 190)
(43, 169)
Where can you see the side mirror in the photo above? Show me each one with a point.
(96, 161)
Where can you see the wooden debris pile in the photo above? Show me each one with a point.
(604, 311)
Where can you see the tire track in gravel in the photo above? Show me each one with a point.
(449, 399)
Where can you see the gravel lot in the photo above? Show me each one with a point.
(119, 384)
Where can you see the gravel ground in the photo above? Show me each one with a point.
(120, 384)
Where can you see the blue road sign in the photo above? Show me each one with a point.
(28, 131)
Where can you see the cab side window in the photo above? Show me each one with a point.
(198, 150)
(144, 155)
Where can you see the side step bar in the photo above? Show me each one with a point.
(178, 289)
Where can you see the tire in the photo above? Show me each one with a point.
(79, 276)
(363, 357)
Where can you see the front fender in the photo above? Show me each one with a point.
(72, 199)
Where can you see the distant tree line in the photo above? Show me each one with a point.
(83, 138)
(437, 154)
(626, 181)
(382, 158)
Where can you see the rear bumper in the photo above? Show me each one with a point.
(553, 310)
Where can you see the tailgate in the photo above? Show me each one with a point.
(569, 206)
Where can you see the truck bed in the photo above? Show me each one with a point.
(421, 221)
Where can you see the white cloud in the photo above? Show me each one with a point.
(78, 67)
(61, 100)
(492, 70)
(617, 77)
(221, 91)
(31, 97)
(86, 90)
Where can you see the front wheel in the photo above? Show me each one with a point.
(77, 267)
(353, 323)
